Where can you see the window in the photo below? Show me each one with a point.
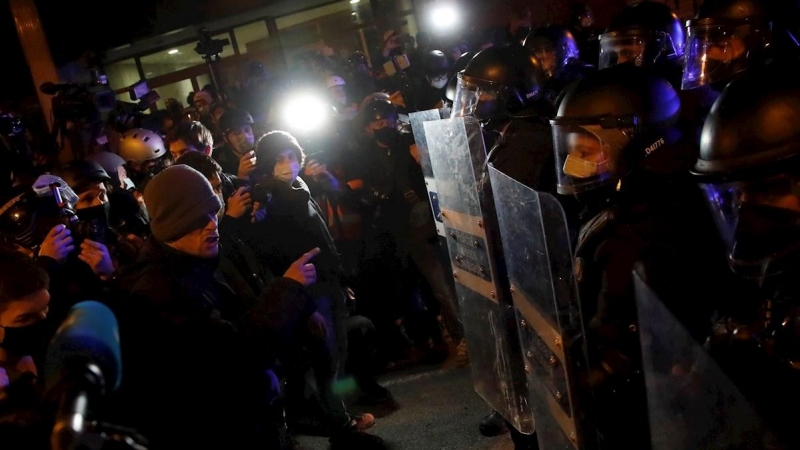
(203, 80)
(178, 58)
(122, 74)
(335, 26)
(178, 91)
(253, 36)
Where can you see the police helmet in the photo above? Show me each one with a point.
(644, 34)
(611, 123)
(452, 84)
(723, 39)
(555, 47)
(749, 169)
(498, 81)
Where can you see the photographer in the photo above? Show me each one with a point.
(100, 251)
(145, 155)
(127, 214)
(236, 156)
(41, 221)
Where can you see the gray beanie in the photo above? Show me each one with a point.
(179, 200)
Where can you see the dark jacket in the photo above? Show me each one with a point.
(295, 225)
(195, 352)
(227, 159)
(401, 205)
(667, 229)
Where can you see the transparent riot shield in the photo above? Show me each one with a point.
(417, 119)
(691, 402)
(538, 256)
(458, 157)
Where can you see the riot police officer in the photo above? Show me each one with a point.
(559, 54)
(646, 34)
(619, 152)
(582, 27)
(748, 169)
(502, 87)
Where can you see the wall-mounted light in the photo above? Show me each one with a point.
(353, 2)
(173, 51)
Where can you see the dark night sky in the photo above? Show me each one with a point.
(70, 32)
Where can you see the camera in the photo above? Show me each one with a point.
(262, 189)
(79, 230)
(397, 64)
(127, 115)
(208, 46)
(81, 101)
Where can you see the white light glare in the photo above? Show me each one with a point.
(353, 2)
(444, 16)
(305, 112)
(173, 51)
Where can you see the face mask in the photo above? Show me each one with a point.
(386, 135)
(763, 232)
(287, 171)
(580, 168)
(243, 143)
(93, 222)
(438, 83)
(27, 340)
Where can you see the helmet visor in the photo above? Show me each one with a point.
(619, 48)
(547, 55)
(589, 151)
(476, 98)
(759, 222)
(714, 53)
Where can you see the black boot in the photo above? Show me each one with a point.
(493, 425)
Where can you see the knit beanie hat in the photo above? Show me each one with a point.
(270, 145)
(179, 200)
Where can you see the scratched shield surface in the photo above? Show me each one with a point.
(536, 247)
(458, 160)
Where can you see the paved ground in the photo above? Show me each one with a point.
(438, 410)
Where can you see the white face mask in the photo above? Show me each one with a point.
(438, 83)
(286, 171)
